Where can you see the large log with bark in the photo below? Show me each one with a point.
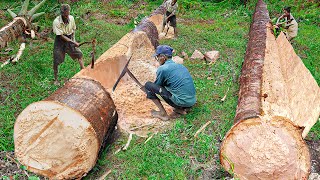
(60, 137)
(21, 22)
(276, 109)
(12, 30)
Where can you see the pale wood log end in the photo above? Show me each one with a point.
(265, 149)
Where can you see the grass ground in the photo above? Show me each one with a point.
(172, 154)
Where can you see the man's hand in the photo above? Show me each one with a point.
(76, 43)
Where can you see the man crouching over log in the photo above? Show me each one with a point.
(173, 83)
(64, 27)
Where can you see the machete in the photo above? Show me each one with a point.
(93, 43)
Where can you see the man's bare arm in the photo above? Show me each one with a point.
(281, 17)
(65, 38)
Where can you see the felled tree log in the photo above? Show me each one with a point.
(21, 22)
(136, 44)
(12, 30)
(60, 137)
(266, 140)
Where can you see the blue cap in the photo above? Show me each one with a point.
(163, 49)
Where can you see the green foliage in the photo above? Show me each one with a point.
(6, 178)
(126, 3)
(33, 178)
(315, 133)
(117, 13)
(23, 167)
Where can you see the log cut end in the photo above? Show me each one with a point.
(265, 149)
(54, 140)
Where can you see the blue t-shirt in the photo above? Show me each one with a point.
(178, 81)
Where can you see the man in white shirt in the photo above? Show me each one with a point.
(64, 27)
(170, 16)
(290, 24)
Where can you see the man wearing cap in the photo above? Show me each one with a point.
(170, 16)
(173, 83)
(64, 27)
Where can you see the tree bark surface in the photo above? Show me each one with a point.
(60, 137)
(266, 141)
(249, 104)
(12, 31)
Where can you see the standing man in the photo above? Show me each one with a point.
(171, 7)
(173, 83)
(64, 27)
(290, 24)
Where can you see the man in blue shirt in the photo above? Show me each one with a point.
(173, 83)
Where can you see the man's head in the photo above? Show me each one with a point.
(65, 12)
(163, 52)
(287, 10)
(173, 2)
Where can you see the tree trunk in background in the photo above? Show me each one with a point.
(20, 23)
(60, 137)
(278, 97)
(12, 30)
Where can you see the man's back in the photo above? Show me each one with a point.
(178, 81)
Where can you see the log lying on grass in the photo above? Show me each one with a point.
(12, 30)
(60, 137)
(21, 22)
(278, 103)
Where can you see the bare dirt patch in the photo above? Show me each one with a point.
(314, 147)
(11, 168)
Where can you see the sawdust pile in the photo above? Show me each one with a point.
(167, 35)
(132, 104)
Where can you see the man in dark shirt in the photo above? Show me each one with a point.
(173, 83)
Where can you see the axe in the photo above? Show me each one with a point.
(124, 71)
(167, 29)
(167, 24)
(93, 43)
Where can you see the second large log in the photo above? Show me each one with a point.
(279, 102)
